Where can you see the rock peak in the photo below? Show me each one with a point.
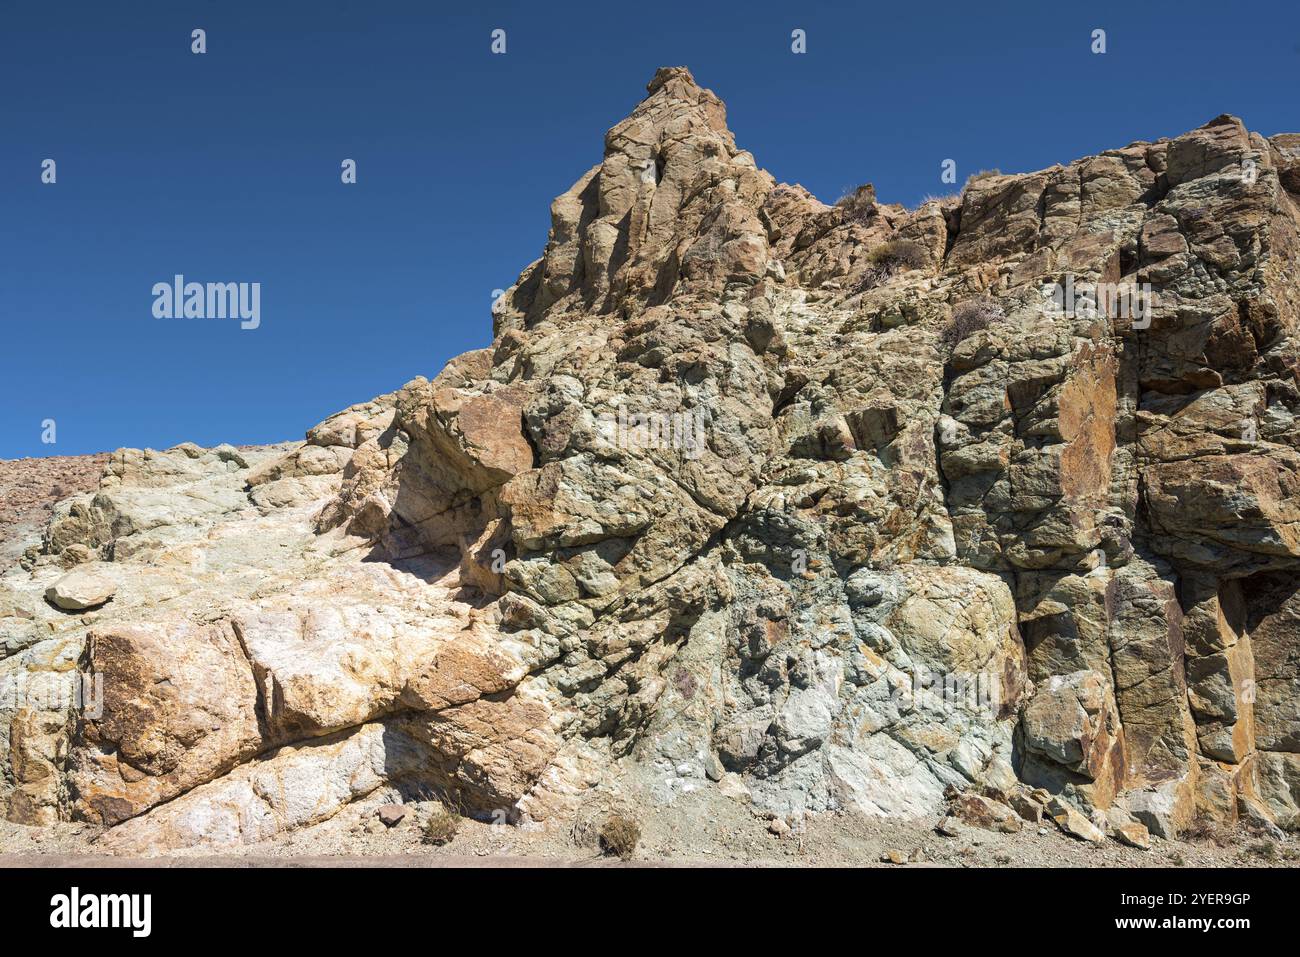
(673, 92)
(666, 74)
(672, 206)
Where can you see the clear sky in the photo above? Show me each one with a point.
(225, 166)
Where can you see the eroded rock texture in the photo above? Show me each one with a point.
(820, 507)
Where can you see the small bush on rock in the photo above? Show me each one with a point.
(898, 254)
(858, 205)
(969, 317)
(982, 174)
(945, 200)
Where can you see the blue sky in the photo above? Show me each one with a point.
(225, 166)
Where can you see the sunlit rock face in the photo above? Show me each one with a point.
(809, 507)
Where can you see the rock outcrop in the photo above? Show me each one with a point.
(819, 507)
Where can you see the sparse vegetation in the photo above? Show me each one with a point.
(1205, 829)
(441, 826)
(982, 174)
(947, 199)
(859, 204)
(898, 254)
(619, 836)
(1265, 849)
(970, 317)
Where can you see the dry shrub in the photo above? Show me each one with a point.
(945, 200)
(982, 174)
(1265, 849)
(441, 826)
(898, 254)
(969, 317)
(619, 836)
(858, 205)
(1204, 829)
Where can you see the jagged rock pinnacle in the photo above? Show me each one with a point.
(665, 74)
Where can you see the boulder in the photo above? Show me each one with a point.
(81, 589)
(983, 812)
(1073, 822)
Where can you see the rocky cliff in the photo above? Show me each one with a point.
(812, 507)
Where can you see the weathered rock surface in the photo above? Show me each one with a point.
(822, 507)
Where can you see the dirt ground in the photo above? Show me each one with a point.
(697, 830)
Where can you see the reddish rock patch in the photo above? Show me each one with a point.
(29, 488)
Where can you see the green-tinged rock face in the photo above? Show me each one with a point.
(980, 512)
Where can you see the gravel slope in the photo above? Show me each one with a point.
(30, 487)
